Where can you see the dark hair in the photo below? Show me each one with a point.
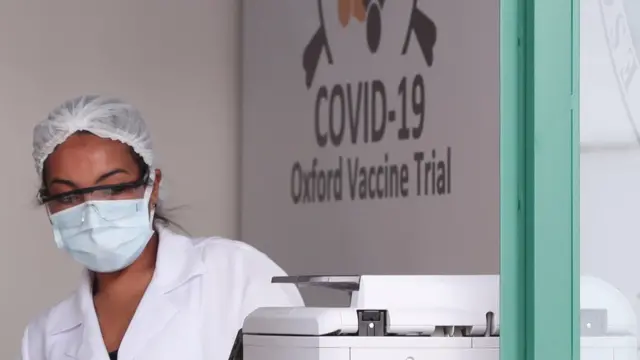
(160, 215)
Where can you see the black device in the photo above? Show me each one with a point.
(236, 350)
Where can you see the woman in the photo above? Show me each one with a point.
(148, 293)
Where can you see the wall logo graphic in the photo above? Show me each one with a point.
(621, 19)
(370, 13)
(369, 120)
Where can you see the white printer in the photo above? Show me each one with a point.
(420, 318)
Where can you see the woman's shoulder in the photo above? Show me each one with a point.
(208, 248)
(218, 251)
(243, 266)
(218, 243)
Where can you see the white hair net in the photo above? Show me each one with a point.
(105, 117)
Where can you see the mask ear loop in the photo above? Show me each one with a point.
(56, 234)
(48, 214)
(147, 195)
(39, 196)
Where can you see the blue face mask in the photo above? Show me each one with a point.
(107, 235)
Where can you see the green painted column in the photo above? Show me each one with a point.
(539, 181)
(512, 161)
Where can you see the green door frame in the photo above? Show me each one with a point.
(539, 265)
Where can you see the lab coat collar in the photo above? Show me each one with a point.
(178, 262)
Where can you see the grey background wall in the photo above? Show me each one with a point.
(453, 232)
(176, 60)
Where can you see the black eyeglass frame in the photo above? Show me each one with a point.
(44, 198)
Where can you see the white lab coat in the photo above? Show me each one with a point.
(200, 294)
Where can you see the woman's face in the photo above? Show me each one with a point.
(86, 160)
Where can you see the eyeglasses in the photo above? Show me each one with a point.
(59, 202)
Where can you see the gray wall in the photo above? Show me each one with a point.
(176, 60)
(454, 232)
